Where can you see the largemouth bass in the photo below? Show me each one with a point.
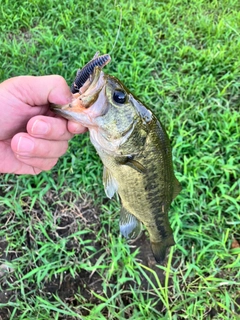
(135, 150)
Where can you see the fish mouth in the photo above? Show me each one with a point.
(79, 109)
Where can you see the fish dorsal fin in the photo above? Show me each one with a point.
(110, 183)
(176, 187)
(130, 226)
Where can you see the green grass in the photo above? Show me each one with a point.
(182, 59)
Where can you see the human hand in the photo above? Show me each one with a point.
(31, 137)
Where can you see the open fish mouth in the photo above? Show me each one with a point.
(81, 102)
(86, 87)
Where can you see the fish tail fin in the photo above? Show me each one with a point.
(160, 249)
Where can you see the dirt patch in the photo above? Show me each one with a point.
(67, 220)
(82, 290)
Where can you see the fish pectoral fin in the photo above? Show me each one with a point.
(110, 183)
(130, 226)
(136, 165)
(129, 161)
(176, 187)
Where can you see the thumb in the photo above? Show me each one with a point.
(38, 91)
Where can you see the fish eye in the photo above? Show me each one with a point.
(119, 96)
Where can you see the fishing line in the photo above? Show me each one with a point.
(118, 32)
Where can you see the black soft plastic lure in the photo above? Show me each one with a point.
(84, 73)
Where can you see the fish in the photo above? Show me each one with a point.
(136, 154)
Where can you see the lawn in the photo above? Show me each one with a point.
(61, 255)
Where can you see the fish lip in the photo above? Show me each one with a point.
(92, 90)
(84, 105)
(85, 100)
(58, 107)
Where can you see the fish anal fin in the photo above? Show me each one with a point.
(110, 183)
(130, 226)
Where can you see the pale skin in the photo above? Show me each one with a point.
(31, 138)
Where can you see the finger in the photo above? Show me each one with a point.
(76, 128)
(26, 146)
(38, 91)
(49, 128)
(38, 164)
(10, 164)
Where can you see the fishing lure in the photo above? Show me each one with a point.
(84, 73)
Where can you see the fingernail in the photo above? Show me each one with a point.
(25, 145)
(40, 127)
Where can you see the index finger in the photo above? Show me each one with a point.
(49, 128)
(39, 91)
